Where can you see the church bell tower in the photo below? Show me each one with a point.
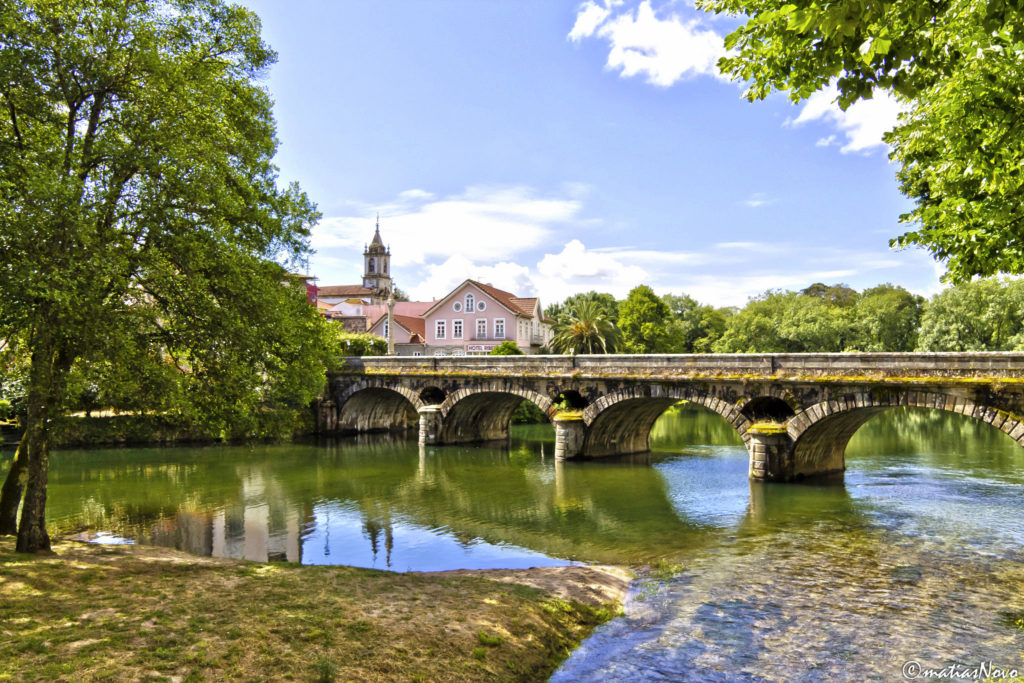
(377, 267)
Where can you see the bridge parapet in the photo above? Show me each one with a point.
(836, 367)
(794, 412)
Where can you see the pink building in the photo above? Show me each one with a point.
(472, 319)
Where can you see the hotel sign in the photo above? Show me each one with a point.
(480, 347)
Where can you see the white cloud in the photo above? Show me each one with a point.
(512, 237)
(589, 17)
(578, 269)
(863, 123)
(481, 224)
(444, 277)
(415, 194)
(664, 49)
(757, 200)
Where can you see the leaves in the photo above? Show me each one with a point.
(958, 66)
(142, 227)
(585, 328)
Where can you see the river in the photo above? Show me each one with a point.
(912, 559)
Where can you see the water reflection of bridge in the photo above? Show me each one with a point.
(794, 412)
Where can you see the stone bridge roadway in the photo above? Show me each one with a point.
(794, 412)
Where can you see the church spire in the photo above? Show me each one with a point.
(377, 241)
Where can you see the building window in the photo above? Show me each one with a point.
(481, 306)
(440, 353)
(439, 330)
(417, 353)
(459, 352)
(456, 329)
(499, 328)
(481, 328)
(371, 266)
(384, 267)
(386, 329)
(457, 307)
(469, 302)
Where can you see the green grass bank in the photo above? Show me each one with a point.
(129, 613)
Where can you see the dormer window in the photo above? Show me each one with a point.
(469, 302)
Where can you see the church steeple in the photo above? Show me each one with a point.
(376, 266)
(377, 242)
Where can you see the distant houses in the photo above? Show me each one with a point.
(470, 320)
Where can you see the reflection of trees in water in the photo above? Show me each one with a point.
(937, 438)
(231, 500)
(686, 424)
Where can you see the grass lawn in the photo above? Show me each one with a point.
(92, 612)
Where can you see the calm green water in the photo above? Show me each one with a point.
(916, 555)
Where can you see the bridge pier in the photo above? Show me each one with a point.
(430, 425)
(569, 435)
(771, 456)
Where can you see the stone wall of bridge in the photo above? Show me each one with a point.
(794, 412)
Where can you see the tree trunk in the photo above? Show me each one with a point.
(14, 485)
(32, 536)
(47, 382)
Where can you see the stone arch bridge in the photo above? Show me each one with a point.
(794, 412)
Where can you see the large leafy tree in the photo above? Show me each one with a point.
(958, 66)
(693, 327)
(585, 328)
(644, 319)
(887, 318)
(788, 322)
(140, 214)
(984, 315)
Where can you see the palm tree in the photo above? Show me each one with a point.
(584, 328)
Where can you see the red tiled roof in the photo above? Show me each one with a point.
(526, 305)
(508, 299)
(343, 290)
(415, 326)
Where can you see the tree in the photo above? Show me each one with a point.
(643, 319)
(984, 315)
(958, 69)
(788, 322)
(140, 214)
(585, 328)
(506, 348)
(887, 318)
(608, 305)
(693, 328)
(837, 295)
(346, 343)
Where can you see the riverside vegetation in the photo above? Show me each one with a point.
(983, 315)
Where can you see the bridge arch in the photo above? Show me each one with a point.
(373, 405)
(620, 422)
(484, 412)
(821, 432)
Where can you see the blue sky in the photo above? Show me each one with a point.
(554, 147)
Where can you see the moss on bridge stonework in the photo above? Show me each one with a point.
(885, 380)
